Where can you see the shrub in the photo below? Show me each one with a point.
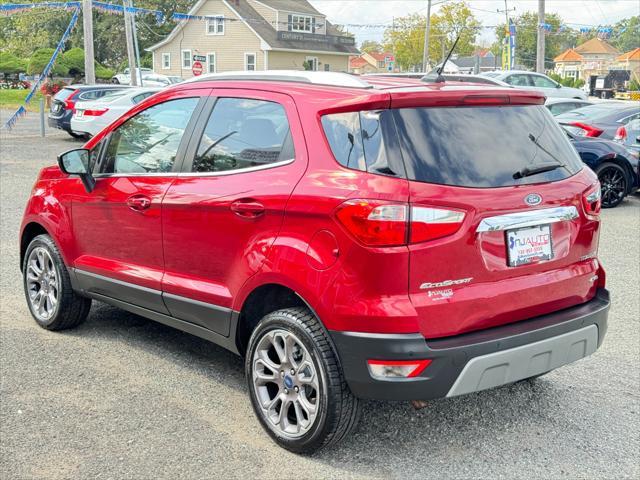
(10, 64)
(74, 59)
(634, 85)
(39, 60)
(103, 73)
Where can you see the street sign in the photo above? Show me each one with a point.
(199, 58)
(196, 68)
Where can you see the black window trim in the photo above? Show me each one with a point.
(198, 131)
(180, 154)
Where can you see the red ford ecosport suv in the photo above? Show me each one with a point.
(388, 239)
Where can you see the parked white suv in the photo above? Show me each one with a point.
(537, 81)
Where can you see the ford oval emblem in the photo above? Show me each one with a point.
(533, 199)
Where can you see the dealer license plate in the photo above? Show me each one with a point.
(529, 245)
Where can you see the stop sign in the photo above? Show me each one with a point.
(196, 68)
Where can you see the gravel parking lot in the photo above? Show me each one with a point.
(122, 396)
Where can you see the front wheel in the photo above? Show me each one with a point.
(47, 287)
(296, 383)
(613, 184)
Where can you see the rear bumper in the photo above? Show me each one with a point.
(478, 360)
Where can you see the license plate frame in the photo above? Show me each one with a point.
(528, 253)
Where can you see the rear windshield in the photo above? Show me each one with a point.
(594, 112)
(461, 146)
(63, 94)
(483, 146)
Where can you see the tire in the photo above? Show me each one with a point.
(115, 81)
(75, 135)
(614, 184)
(69, 309)
(312, 353)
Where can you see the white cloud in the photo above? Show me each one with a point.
(573, 12)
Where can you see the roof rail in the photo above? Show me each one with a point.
(336, 79)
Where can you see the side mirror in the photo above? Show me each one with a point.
(76, 162)
(558, 85)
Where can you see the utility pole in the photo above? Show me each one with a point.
(87, 24)
(135, 45)
(427, 31)
(540, 45)
(133, 80)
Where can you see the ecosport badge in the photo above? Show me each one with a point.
(446, 283)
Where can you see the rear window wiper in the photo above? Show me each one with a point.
(536, 169)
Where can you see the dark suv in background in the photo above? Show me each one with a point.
(64, 102)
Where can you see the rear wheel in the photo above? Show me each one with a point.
(47, 286)
(613, 181)
(75, 135)
(296, 384)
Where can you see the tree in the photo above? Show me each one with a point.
(10, 64)
(40, 59)
(407, 38)
(556, 41)
(626, 34)
(371, 46)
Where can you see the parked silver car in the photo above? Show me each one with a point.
(536, 81)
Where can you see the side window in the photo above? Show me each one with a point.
(518, 80)
(542, 82)
(148, 142)
(138, 98)
(243, 133)
(364, 141)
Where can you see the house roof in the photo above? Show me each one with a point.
(294, 6)
(357, 62)
(380, 56)
(269, 35)
(632, 55)
(596, 45)
(569, 55)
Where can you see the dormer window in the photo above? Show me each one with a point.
(301, 23)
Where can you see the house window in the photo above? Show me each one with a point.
(311, 63)
(211, 63)
(215, 26)
(249, 61)
(186, 59)
(166, 61)
(381, 64)
(301, 23)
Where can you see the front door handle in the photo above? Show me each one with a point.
(247, 208)
(138, 202)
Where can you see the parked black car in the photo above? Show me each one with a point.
(616, 166)
(64, 102)
(603, 120)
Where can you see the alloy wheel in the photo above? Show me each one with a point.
(286, 384)
(613, 186)
(42, 283)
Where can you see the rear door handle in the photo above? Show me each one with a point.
(247, 208)
(138, 202)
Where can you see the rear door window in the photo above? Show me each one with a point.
(244, 133)
(483, 146)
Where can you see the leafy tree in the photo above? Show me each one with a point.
(371, 46)
(10, 64)
(407, 38)
(556, 41)
(626, 34)
(40, 59)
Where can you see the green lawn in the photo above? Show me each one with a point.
(12, 99)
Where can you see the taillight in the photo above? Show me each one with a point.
(95, 112)
(397, 368)
(382, 224)
(591, 200)
(430, 223)
(621, 134)
(587, 130)
(69, 102)
(374, 222)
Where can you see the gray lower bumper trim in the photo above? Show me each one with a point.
(507, 366)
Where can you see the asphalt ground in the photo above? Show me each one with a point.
(124, 397)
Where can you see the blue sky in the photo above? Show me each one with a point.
(587, 12)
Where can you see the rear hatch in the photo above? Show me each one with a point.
(499, 229)
(62, 101)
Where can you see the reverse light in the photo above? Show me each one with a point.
(621, 134)
(375, 222)
(430, 223)
(397, 368)
(587, 130)
(592, 200)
